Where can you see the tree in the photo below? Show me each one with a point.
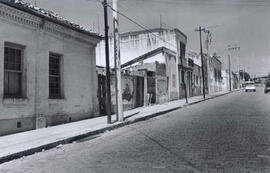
(245, 74)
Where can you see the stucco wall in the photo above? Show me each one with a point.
(172, 71)
(131, 48)
(215, 84)
(77, 73)
(128, 94)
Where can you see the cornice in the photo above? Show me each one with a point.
(38, 23)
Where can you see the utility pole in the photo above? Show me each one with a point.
(108, 85)
(229, 58)
(202, 61)
(208, 40)
(117, 64)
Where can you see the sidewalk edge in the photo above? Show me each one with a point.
(95, 132)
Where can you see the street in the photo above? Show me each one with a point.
(226, 134)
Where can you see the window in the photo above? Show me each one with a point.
(148, 41)
(190, 63)
(183, 76)
(13, 72)
(174, 80)
(54, 76)
(124, 39)
(154, 40)
(182, 50)
(134, 40)
(215, 74)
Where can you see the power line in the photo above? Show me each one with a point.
(136, 23)
(140, 25)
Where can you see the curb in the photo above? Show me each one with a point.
(92, 133)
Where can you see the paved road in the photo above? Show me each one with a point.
(226, 134)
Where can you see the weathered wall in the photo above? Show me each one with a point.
(171, 72)
(162, 94)
(128, 94)
(78, 73)
(135, 45)
(225, 80)
(215, 81)
(197, 89)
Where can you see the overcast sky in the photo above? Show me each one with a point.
(242, 22)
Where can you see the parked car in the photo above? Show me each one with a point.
(267, 87)
(250, 86)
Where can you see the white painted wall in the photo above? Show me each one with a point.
(131, 48)
(79, 74)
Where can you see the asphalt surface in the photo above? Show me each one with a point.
(226, 134)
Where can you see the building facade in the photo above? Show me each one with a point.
(195, 76)
(47, 68)
(225, 80)
(161, 71)
(138, 43)
(133, 89)
(215, 76)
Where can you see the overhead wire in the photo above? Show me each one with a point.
(136, 23)
(140, 25)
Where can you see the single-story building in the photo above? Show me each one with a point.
(161, 70)
(47, 65)
(132, 83)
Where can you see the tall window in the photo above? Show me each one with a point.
(183, 76)
(54, 76)
(13, 72)
(182, 50)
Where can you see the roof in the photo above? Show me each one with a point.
(151, 30)
(48, 15)
(148, 55)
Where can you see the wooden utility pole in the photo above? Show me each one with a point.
(229, 58)
(108, 85)
(202, 61)
(208, 40)
(117, 63)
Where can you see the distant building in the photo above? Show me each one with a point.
(47, 65)
(215, 77)
(234, 81)
(212, 71)
(225, 80)
(195, 76)
(161, 70)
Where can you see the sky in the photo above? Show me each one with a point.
(244, 23)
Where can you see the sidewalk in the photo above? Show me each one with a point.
(26, 143)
